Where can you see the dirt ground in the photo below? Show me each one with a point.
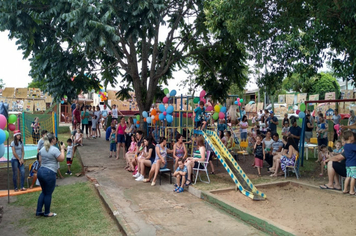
(308, 211)
(10, 213)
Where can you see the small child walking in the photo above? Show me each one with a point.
(259, 154)
(323, 156)
(69, 156)
(112, 142)
(350, 156)
(180, 174)
(93, 126)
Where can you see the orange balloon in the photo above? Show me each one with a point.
(138, 122)
(153, 112)
(144, 119)
(154, 121)
(156, 118)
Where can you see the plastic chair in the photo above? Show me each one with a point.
(29, 177)
(314, 140)
(203, 166)
(331, 144)
(243, 150)
(293, 168)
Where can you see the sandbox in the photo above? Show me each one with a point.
(297, 208)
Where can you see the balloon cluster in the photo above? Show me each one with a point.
(239, 101)
(200, 98)
(137, 121)
(155, 116)
(64, 99)
(338, 129)
(102, 94)
(4, 135)
(168, 94)
(219, 111)
(301, 112)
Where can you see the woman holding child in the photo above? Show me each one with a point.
(179, 150)
(193, 162)
(288, 157)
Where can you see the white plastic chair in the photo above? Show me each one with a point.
(203, 166)
(293, 168)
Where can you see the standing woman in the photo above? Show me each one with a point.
(35, 125)
(98, 118)
(120, 136)
(244, 126)
(129, 132)
(84, 115)
(49, 157)
(267, 146)
(17, 160)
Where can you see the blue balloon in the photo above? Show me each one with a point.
(2, 136)
(170, 109)
(134, 120)
(138, 125)
(144, 114)
(301, 114)
(236, 102)
(223, 109)
(161, 108)
(149, 120)
(173, 93)
(2, 150)
(169, 118)
(161, 116)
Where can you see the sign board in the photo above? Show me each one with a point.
(282, 98)
(8, 92)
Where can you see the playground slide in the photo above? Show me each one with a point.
(241, 180)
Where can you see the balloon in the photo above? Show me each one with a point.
(2, 150)
(241, 100)
(209, 108)
(337, 127)
(236, 102)
(161, 108)
(156, 118)
(134, 120)
(302, 107)
(145, 119)
(169, 118)
(165, 100)
(138, 122)
(167, 95)
(12, 119)
(196, 100)
(12, 127)
(7, 134)
(138, 117)
(239, 104)
(300, 120)
(2, 136)
(161, 116)
(145, 114)
(62, 102)
(297, 112)
(215, 116)
(152, 117)
(137, 125)
(223, 109)
(217, 108)
(203, 100)
(238, 99)
(202, 93)
(170, 109)
(173, 93)
(166, 91)
(221, 115)
(149, 120)
(164, 113)
(3, 121)
(153, 112)
(301, 114)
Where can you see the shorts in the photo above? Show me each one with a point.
(165, 163)
(339, 168)
(93, 129)
(90, 123)
(258, 162)
(322, 141)
(112, 147)
(120, 138)
(351, 171)
(69, 162)
(243, 135)
(198, 124)
(308, 134)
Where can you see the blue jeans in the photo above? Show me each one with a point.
(16, 165)
(47, 180)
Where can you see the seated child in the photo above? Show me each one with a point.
(285, 129)
(180, 174)
(33, 172)
(69, 156)
(323, 156)
(78, 138)
(339, 148)
(350, 156)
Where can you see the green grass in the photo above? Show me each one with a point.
(79, 209)
(63, 129)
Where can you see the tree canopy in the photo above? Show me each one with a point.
(325, 83)
(142, 42)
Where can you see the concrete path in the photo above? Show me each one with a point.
(142, 209)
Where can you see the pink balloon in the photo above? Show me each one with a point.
(202, 100)
(165, 100)
(202, 94)
(221, 115)
(238, 99)
(239, 103)
(2, 121)
(12, 127)
(297, 112)
(209, 108)
(337, 127)
(164, 113)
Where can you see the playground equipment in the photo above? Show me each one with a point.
(243, 183)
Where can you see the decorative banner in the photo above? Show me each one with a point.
(290, 102)
(344, 106)
(48, 98)
(313, 97)
(330, 96)
(34, 93)
(40, 105)
(259, 106)
(8, 92)
(28, 106)
(282, 98)
(301, 98)
(21, 93)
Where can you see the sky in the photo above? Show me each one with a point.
(14, 69)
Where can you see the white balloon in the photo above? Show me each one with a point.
(167, 95)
